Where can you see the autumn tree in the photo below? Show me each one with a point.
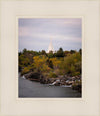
(55, 62)
(40, 63)
(71, 64)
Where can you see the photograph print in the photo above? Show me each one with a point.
(49, 57)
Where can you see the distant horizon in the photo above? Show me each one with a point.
(55, 50)
(35, 34)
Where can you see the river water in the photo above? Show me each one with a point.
(31, 89)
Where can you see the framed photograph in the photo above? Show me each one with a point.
(50, 58)
(57, 68)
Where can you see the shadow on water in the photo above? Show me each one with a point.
(31, 89)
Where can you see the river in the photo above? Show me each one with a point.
(31, 89)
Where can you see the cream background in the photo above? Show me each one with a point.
(89, 103)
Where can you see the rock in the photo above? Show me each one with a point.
(77, 87)
(46, 80)
(33, 76)
(59, 81)
(57, 84)
(63, 82)
(73, 78)
(69, 82)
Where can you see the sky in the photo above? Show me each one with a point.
(35, 33)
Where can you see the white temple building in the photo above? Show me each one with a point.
(50, 48)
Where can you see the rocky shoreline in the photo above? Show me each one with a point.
(74, 82)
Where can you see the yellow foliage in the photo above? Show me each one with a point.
(40, 63)
(55, 62)
(25, 70)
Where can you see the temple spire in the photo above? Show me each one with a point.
(50, 48)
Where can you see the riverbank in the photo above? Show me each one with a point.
(33, 89)
(73, 82)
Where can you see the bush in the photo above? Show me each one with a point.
(71, 64)
(76, 73)
(25, 70)
(52, 75)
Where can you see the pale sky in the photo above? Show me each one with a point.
(35, 34)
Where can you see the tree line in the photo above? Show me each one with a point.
(51, 64)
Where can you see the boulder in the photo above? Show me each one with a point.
(57, 84)
(33, 76)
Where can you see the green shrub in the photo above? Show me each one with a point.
(52, 75)
(25, 70)
(76, 73)
(71, 64)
